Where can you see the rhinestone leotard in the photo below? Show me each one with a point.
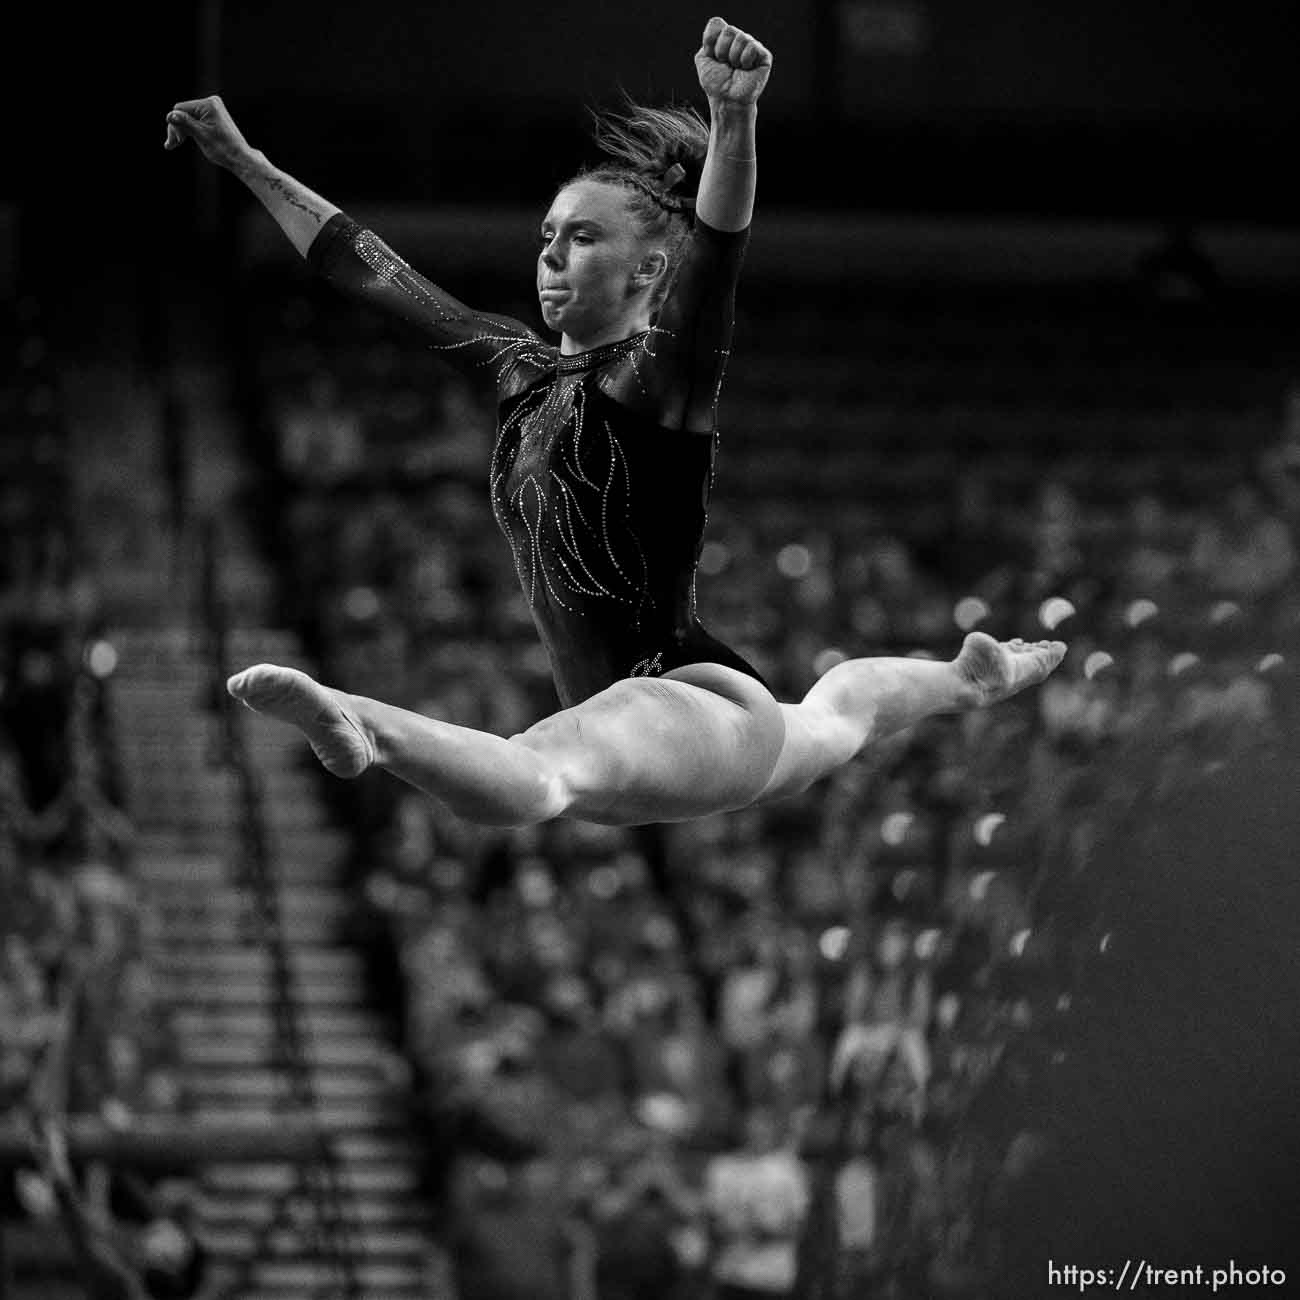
(596, 480)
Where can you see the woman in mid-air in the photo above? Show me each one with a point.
(599, 479)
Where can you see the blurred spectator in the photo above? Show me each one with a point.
(1056, 540)
(1151, 559)
(106, 1270)
(320, 438)
(512, 1239)
(1243, 551)
(756, 1199)
(575, 1055)
(173, 1258)
(161, 1258)
(649, 1241)
(860, 1265)
(1226, 710)
(972, 547)
(1279, 463)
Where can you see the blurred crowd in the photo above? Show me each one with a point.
(75, 936)
(803, 1045)
(85, 1034)
(800, 1047)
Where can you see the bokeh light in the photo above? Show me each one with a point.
(904, 884)
(834, 943)
(970, 612)
(926, 943)
(895, 826)
(101, 659)
(794, 561)
(1054, 611)
(361, 603)
(605, 882)
(714, 558)
(1140, 611)
(828, 659)
(1096, 663)
(536, 887)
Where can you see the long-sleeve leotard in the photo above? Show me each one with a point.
(603, 461)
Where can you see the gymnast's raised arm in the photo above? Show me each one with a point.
(354, 259)
(298, 211)
(694, 324)
(733, 68)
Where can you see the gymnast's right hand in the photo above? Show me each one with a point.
(208, 123)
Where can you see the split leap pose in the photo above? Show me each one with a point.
(599, 479)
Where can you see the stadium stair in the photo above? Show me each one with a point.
(218, 980)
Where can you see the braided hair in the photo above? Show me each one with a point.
(657, 155)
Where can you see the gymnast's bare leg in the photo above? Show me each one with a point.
(699, 740)
(703, 738)
(861, 701)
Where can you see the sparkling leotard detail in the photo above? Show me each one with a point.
(603, 506)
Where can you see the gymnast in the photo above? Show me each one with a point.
(600, 478)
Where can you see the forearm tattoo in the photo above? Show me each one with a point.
(277, 186)
(253, 174)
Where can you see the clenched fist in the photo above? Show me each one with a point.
(210, 126)
(733, 67)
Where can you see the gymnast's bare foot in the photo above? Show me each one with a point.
(332, 730)
(996, 670)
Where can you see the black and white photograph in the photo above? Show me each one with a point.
(650, 654)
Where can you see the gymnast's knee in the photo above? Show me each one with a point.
(539, 793)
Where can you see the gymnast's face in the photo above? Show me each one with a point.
(594, 270)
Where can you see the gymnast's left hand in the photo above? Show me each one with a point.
(208, 123)
(733, 67)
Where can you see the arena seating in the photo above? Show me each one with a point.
(590, 1018)
(889, 477)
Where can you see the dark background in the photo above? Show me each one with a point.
(1177, 1119)
(1106, 111)
(1107, 108)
